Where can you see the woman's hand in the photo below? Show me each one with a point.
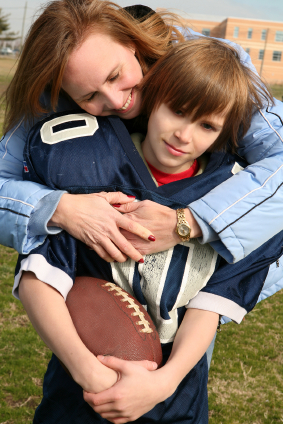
(137, 391)
(91, 219)
(161, 221)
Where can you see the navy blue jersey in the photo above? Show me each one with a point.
(83, 154)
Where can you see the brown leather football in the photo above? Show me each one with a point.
(112, 322)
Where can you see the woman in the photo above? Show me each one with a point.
(65, 44)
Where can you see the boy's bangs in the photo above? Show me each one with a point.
(191, 101)
(197, 78)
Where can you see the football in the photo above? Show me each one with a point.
(112, 322)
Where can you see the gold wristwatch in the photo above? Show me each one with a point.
(183, 228)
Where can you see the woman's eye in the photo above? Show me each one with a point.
(114, 77)
(91, 97)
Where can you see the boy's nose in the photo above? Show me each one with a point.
(184, 134)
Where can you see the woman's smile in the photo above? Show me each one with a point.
(129, 103)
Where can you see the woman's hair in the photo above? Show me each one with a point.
(204, 76)
(60, 29)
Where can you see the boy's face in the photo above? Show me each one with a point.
(173, 142)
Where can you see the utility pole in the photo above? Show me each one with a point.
(264, 49)
(23, 25)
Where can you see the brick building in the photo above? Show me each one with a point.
(263, 40)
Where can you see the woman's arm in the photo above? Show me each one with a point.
(239, 207)
(18, 198)
(246, 210)
(132, 400)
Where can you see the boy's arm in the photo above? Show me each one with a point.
(50, 317)
(139, 390)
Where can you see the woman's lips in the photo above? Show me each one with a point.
(173, 150)
(128, 105)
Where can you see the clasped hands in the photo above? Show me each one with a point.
(136, 392)
(122, 230)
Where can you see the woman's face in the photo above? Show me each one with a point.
(101, 76)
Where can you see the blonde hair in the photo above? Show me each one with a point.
(205, 76)
(59, 30)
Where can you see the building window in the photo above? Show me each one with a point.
(236, 32)
(206, 32)
(261, 54)
(263, 34)
(250, 33)
(279, 36)
(248, 50)
(276, 57)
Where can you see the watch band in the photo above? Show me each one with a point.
(183, 228)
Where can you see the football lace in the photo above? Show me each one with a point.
(132, 305)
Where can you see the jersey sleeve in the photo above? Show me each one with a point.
(234, 290)
(53, 262)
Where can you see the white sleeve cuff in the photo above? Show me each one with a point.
(220, 305)
(51, 275)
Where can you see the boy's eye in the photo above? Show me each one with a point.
(179, 113)
(207, 126)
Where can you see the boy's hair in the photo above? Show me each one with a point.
(202, 77)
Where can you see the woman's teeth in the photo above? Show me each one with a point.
(127, 102)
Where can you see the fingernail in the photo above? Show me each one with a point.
(116, 205)
(101, 357)
(141, 261)
(115, 261)
(151, 238)
(131, 197)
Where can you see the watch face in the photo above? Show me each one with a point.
(183, 230)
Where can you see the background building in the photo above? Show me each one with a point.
(263, 40)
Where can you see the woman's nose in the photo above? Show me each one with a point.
(114, 99)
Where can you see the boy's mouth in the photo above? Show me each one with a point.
(173, 150)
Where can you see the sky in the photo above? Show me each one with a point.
(256, 9)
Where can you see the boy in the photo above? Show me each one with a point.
(183, 125)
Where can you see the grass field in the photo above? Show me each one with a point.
(246, 376)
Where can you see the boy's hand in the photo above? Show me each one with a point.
(137, 391)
